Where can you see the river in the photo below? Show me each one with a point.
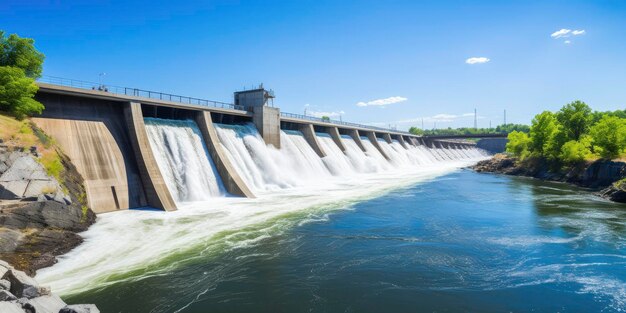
(458, 242)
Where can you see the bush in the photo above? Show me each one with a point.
(574, 151)
(609, 136)
(518, 144)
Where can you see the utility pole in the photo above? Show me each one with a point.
(475, 121)
(422, 123)
(504, 117)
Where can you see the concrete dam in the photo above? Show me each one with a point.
(137, 149)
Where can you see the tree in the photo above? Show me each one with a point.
(542, 129)
(21, 53)
(518, 143)
(325, 118)
(575, 151)
(17, 92)
(609, 136)
(20, 65)
(552, 147)
(416, 131)
(575, 118)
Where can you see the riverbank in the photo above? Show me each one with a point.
(42, 198)
(606, 177)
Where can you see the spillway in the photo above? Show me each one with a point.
(183, 160)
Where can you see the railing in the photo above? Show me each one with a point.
(317, 119)
(135, 92)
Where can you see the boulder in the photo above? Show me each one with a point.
(7, 296)
(9, 241)
(37, 187)
(23, 168)
(5, 284)
(11, 307)
(11, 190)
(80, 308)
(22, 285)
(47, 304)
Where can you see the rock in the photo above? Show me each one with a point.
(9, 241)
(80, 308)
(41, 198)
(3, 167)
(29, 308)
(11, 307)
(37, 187)
(7, 296)
(22, 168)
(22, 285)
(5, 284)
(13, 189)
(47, 304)
(58, 197)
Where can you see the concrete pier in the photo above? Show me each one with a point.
(387, 137)
(267, 121)
(334, 134)
(233, 183)
(372, 137)
(354, 134)
(157, 194)
(309, 135)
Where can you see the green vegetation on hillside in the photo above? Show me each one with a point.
(20, 65)
(572, 135)
(500, 129)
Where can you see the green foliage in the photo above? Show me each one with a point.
(609, 136)
(17, 92)
(541, 131)
(518, 144)
(325, 118)
(575, 151)
(20, 65)
(552, 148)
(501, 129)
(416, 131)
(20, 53)
(575, 118)
(53, 165)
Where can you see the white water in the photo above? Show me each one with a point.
(183, 160)
(130, 245)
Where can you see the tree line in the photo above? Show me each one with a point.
(500, 129)
(20, 66)
(573, 134)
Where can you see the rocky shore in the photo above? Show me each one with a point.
(20, 293)
(40, 216)
(607, 177)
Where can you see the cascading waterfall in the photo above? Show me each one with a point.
(183, 160)
(290, 180)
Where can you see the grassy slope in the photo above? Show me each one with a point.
(24, 134)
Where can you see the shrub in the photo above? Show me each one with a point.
(518, 144)
(574, 151)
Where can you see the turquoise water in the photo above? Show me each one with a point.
(461, 242)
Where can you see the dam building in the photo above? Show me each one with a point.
(109, 135)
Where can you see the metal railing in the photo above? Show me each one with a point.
(135, 92)
(317, 119)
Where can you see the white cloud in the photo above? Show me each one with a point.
(477, 60)
(382, 102)
(567, 42)
(578, 32)
(322, 113)
(564, 32)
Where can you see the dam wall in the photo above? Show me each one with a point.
(105, 135)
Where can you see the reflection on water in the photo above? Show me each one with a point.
(462, 242)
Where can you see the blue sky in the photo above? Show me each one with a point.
(377, 62)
